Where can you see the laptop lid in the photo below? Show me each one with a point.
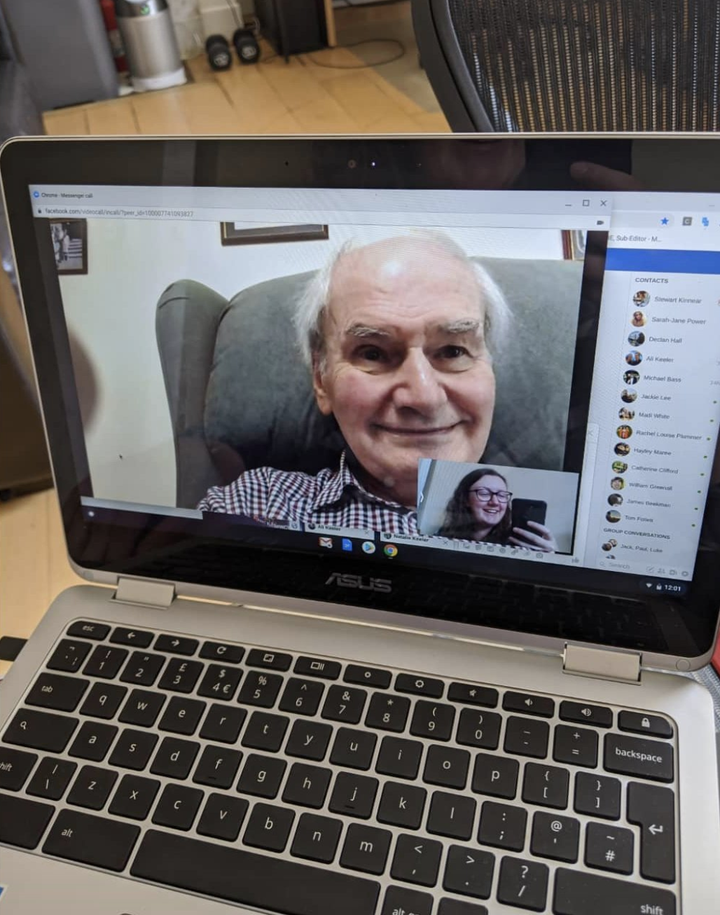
(462, 385)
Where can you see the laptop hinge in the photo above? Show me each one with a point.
(156, 594)
(605, 663)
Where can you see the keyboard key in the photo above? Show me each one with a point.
(353, 795)
(639, 758)
(318, 667)
(134, 797)
(175, 758)
(353, 749)
(447, 767)
(470, 694)
(223, 724)
(177, 807)
(221, 651)
(580, 893)
(578, 746)
(479, 729)
(523, 884)
(182, 716)
(176, 644)
(23, 822)
(302, 697)
(367, 676)
(103, 700)
(451, 815)
(419, 686)
(529, 704)
(416, 860)
(135, 637)
(261, 775)
(69, 656)
(93, 741)
(387, 712)
(105, 662)
(268, 660)
(642, 723)
(220, 682)
(133, 749)
(365, 849)
(502, 826)
(316, 838)
(217, 767)
(91, 840)
(597, 795)
(458, 907)
(546, 786)
(555, 837)
(398, 899)
(56, 692)
(142, 669)
(51, 778)
(181, 676)
(86, 630)
(609, 848)
(526, 737)
(495, 775)
(259, 881)
(399, 758)
(92, 787)
(142, 708)
(344, 704)
(269, 827)
(402, 805)
(430, 719)
(40, 730)
(583, 713)
(222, 817)
(309, 740)
(265, 732)
(15, 766)
(307, 786)
(653, 808)
(469, 872)
(260, 689)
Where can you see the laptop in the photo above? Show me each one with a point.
(390, 467)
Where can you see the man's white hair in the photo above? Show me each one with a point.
(311, 305)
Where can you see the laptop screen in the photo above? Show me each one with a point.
(517, 383)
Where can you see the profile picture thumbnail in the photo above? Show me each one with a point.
(609, 544)
(613, 516)
(634, 357)
(641, 298)
(636, 338)
(622, 448)
(625, 413)
(624, 431)
(628, 396)
(631, 377)
(619, 466)
(617, 483)
(638, 319)
(615, 499)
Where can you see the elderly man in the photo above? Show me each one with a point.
(398, 336)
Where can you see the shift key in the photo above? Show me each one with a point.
(639, 757)
(579, 893)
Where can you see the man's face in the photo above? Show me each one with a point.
(406, 372)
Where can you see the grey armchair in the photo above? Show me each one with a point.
(239, 396)
(572, 65)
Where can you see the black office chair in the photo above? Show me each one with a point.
(572, 65)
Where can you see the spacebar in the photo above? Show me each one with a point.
(258, 880)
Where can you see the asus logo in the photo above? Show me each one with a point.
(381, 585)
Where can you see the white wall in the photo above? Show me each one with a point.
(111, 314)
(558, 490)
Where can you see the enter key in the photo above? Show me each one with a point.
(653, 808)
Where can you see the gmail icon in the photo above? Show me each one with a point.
(325, 542)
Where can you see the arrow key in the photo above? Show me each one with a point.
(416, 860)
(176, 644)
(469, 872)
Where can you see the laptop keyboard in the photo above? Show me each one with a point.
(307, 785)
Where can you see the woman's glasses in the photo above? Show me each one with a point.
(484, 495)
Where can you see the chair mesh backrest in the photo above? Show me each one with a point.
(593, 64)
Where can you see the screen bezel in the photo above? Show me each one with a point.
(155, 547)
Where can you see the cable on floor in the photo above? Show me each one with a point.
(356, 44)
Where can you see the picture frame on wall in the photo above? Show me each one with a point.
(70, 244)
(233, 234)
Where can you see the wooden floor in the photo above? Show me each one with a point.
(270, 98)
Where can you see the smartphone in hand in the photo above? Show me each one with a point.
(524, 510)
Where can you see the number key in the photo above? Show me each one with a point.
(387, 712)
(301, 696)
(344, 704)
(220, 682)
(432, 720)
(478, 729)
(180, 676)
(260, 689)
(105, 662)
(142, 668)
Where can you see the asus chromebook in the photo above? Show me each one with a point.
(390, 465)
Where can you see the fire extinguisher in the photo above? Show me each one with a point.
(116, 42)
